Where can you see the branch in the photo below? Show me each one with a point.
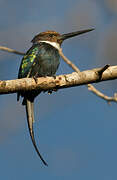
(11, 50)
(103, 96)
(90, 87)
(62, 81)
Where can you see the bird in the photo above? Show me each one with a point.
(41, 60)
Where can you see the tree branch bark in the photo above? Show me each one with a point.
(61, 81)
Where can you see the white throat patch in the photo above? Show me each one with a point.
(54, 44)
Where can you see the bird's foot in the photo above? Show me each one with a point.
(54, 77)
(51, 90)
(35, 78)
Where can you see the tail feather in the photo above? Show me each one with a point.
(30, 120)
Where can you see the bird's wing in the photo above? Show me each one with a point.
(27, 61)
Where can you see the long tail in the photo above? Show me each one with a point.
(30, 120)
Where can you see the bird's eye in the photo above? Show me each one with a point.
(50, 35)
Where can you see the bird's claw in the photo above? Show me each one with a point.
(51, 90)
(36, 80)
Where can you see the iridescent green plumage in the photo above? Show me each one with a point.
(41, 60)
(27, 61)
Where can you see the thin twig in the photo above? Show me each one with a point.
(11, 50)
(103, 96)
(100, 72)
(75, 68)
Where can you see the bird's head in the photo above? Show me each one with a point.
(56, 39)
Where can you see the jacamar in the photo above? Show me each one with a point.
(41, 60)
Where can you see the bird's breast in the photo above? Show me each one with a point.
(48, 60)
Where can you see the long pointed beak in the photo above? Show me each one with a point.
(72, 34)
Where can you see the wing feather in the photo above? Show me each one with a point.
(27, 61)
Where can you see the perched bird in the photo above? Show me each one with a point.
(41, 60)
